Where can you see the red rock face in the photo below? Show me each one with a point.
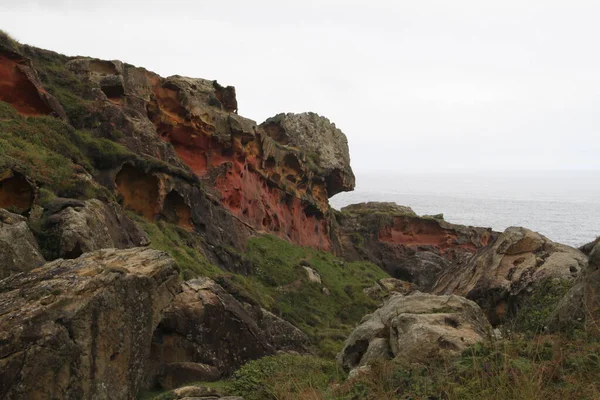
(17, 90)
(265, 194)
(415, 232)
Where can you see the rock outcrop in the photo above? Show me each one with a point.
(206, 333)
(580, 307)
(415, 328)
(325, 145)
(20, 85)
(502, 275)
(79, 227)
(82, 328)
(19, 250)
(408, 247)
(274, 183)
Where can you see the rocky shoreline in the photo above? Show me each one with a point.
(152, 239)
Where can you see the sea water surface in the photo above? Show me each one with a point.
(564, 206)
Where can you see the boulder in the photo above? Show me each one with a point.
(504, 274)
(415, 328)
(82, 226)
(82, 328)
(408, 247)
(321, 140)
(580, 307)
(207, 325)
(18, 248)
(386, 286)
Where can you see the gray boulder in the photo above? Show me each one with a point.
(19, 250)
(415, 328)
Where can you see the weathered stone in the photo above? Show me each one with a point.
(501, 276)
(206, 325)
(580, 307)
(323, 142)
(415, 328)
(82, 328)
(18, 248)
(80, 227)
(312, 275)
(411, 248)
(194, 391)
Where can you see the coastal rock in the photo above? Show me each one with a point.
(207, 325)
(19, 250)
(408, 247)
(192, 125)
(323, 142)
(580, 307)
(415, 328)
(83, 226)
(82, 328)
(502, 275)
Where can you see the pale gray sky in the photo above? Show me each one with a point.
(416, 85)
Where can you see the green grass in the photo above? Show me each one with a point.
(9, 42)
(279, 283)
(183, 246)
(285, 290)
(51, 152)
(545, 367)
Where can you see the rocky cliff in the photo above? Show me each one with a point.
(150, 237)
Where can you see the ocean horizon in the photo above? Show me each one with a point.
(562, 205)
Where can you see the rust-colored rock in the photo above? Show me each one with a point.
(277, 187)
(81, 329)
(409, 247)
(21, 88)
(140, 191)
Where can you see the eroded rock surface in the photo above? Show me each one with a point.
(415, 328)
(276, 184)
(325, 145)
(19, 250)
(206, 325)
(408, 247)
(580, 307)
(82, 226)
(502, 275)
(81, 329)
(21, 87)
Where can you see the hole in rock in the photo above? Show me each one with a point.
(16, 194)
(139, 191)
(176, 211)
(17, 90)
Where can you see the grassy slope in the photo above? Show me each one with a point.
(279, 283)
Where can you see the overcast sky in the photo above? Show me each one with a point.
(415, 85)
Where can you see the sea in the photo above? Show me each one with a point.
(562, 205)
